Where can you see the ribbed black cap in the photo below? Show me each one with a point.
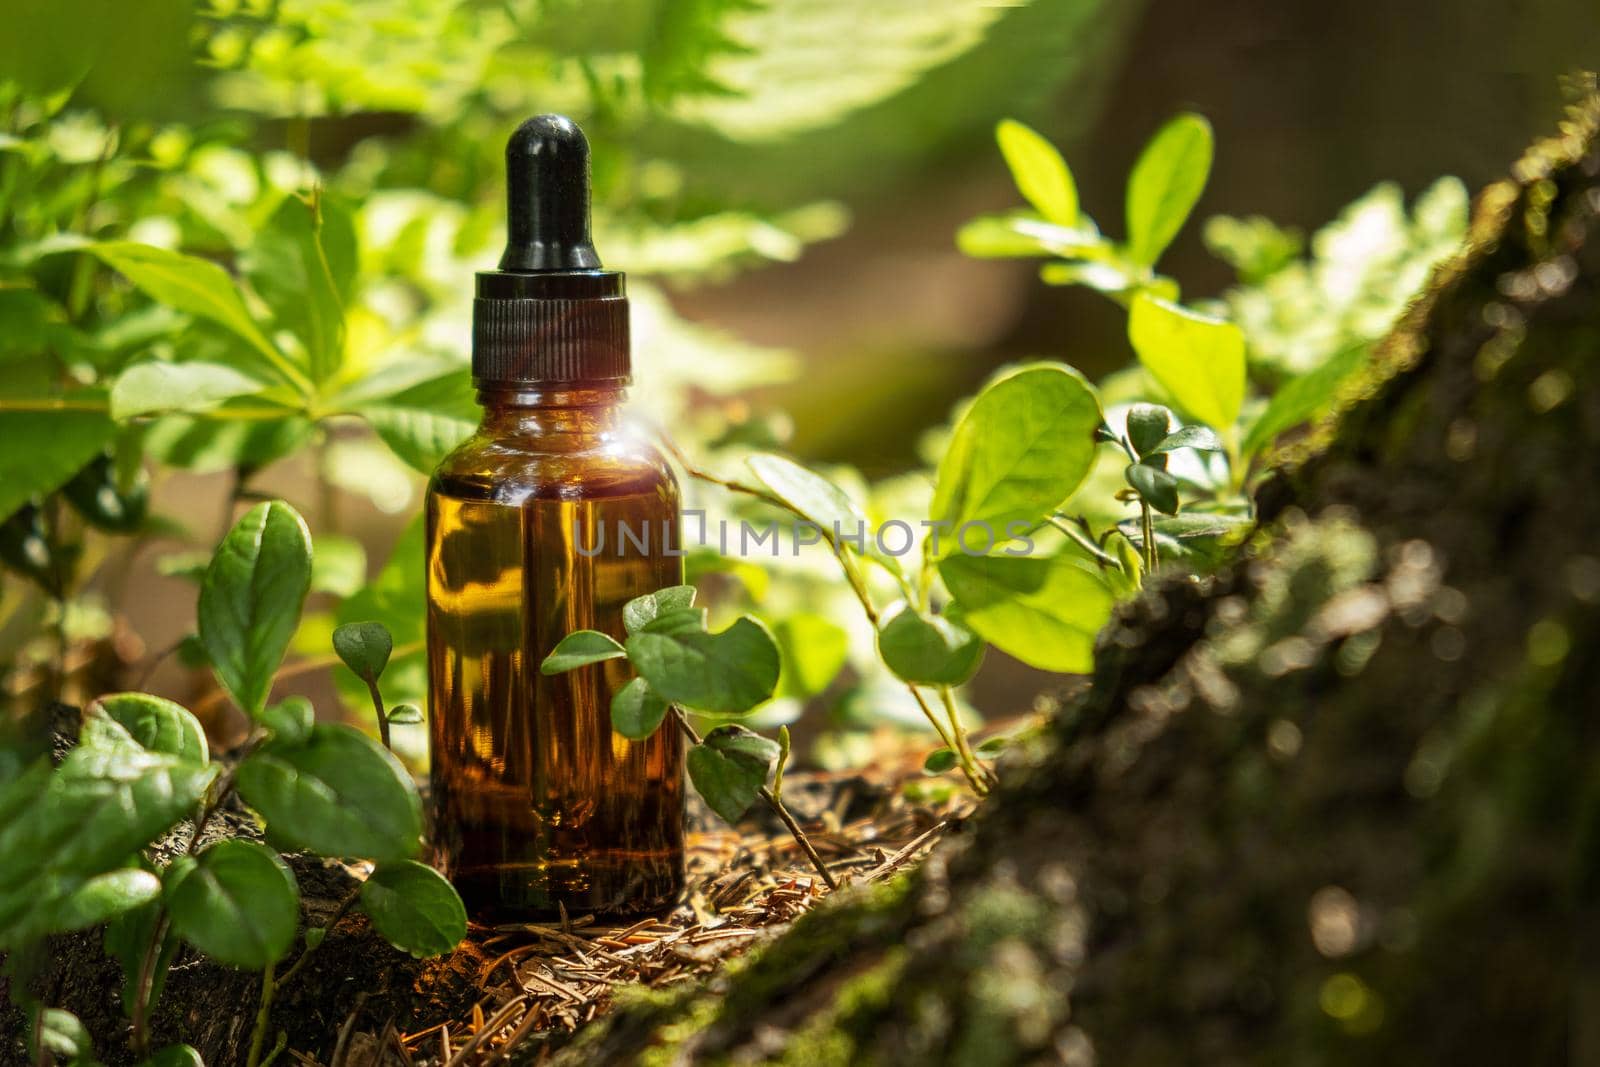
(549, 314)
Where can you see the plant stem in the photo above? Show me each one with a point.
(258, 1034)
(1147, 526)
(777, 806)
(383, 716)
(146, 984)
(964, 749)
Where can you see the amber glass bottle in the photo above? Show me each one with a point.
(538, 805)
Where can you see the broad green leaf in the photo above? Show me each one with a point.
(106, 801)
(814, 650)
(237, 902)
(337, 793)
(338, 565)
(63, 1037)
(1166, 182)
(1200, 438)
(1156, 487)
(157, 724)
(40, 451)
(726, 673)
(405, 715)
(1196, 358)
(729, 767)
(302, 264)
(678, 621)
(104, 897)
(148, 387)
(636, 710)
(251, 597)
(290, 719)
(198, 287)
(414, 908)
(1023, 446)
(1044, 610)
(1302, 399)
(425, 422)
(808, 493)
(364, 647)
(1024, 234)
(1039, 171)
(929, 649)
(939, 760)
(579, 649)
(641, 609)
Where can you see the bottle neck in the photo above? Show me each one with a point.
(546, 411)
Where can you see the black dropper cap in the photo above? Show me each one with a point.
(549, 314)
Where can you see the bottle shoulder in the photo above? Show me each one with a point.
(514, 468)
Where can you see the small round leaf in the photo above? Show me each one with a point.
(726, 673)
(579, 649)
(1155, 487)
(1147, 426)
(414, 908)
(637, 710)
(237, 902)
(929, 649)
(365, 648)
(729, 767)
(641, 609)
(405, 715)
(157, 724)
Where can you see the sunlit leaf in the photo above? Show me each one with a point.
(1165, 183)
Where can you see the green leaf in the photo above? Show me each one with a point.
(365, 648)
(106, 800)
(1200, 537)
(337, 793)
(1147, 427)
(1039, 171)
(1302, 399)
(290, 719)
(396, 598)
(929, 649)
(251, 598)
(128, 937)
(807, 493)
(1201, 438)
(175, 1056)
(938, 761)
(1024, 234)
(147, 387)
(157, 724)
(1044, 610)
(42, 450)
(681, 620)
(1166, 182)
(1198, 359)
(425, 422)
(727, 673)
(63, 1036)
(637, 710)
(579, 649)
(104, 897)
(405, 715)
(302, 264)
(236, 901)
(1156, 487)
(414, 908)
(641, 609)
(200, 288)
(1023, 447)
(729, 767)
(814, 650)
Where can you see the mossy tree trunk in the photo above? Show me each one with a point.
(1337, 804)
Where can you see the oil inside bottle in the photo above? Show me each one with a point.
(538, 805)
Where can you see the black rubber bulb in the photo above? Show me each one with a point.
(547, 198)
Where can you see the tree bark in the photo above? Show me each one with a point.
(1338, 802)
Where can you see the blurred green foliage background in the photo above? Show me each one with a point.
(781, 178)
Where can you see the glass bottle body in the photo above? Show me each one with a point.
(548, 520)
